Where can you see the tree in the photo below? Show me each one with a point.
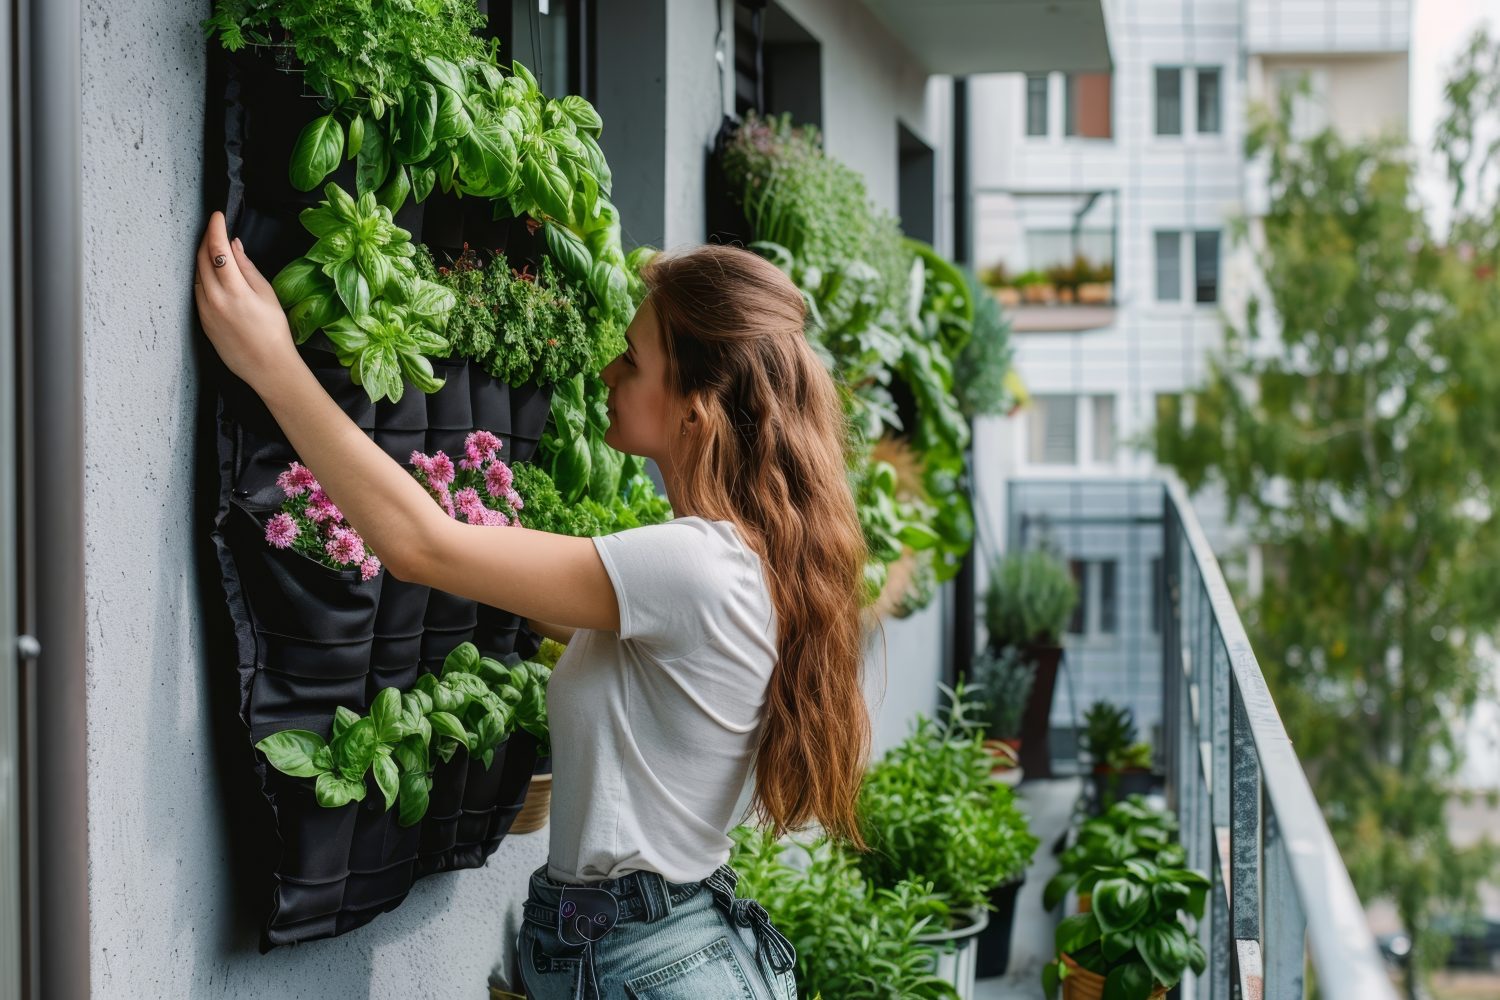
(1354, 424)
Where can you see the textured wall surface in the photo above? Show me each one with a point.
(168, 764)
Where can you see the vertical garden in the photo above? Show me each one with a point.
(444, 241)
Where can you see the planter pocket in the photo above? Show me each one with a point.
(396, 653)
(401, 427)
(450, 414)
(530, 407)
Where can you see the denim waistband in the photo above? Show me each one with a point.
(642, 895)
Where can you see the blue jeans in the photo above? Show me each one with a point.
(640, 937)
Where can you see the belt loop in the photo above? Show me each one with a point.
(654, 894)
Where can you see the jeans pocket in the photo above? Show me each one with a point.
(550, 969)
(709, 972)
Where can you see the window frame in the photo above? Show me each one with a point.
(1156, 101)
(1027, 95)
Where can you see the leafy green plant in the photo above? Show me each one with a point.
(1126, 830)
(476, 703)
(1030, 598)
(930, 811)
(1135, 935)
(853, 940)
(636, 504)
(1004, 683)
(979, 374)
(1107, 731)
(358, 284)
(522, 327)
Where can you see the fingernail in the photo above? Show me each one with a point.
(237, 243)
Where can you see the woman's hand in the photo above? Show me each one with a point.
(239, 310)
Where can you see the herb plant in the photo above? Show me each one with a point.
(930, 811)
(1031, 597)
(853, 940)
(981, 373)
(1003, 682)
(1127, 830)
(475, 704)
(1135, 934)
(311, 524)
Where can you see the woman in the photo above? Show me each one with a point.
(727, 637)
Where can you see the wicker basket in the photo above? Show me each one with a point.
(533, 815)
(1081, 984)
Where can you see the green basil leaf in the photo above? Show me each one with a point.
(445, 724)
(343, 718)
(355, 138)
(524, 75)
(569, 251)
(298, 280)
(354, 750)
(333, 791)
(1076, 932)
(340, 203)
(453, 121)
(321, 221)
(487, 758)
(464, 659)
(446, 73)
(422, 180)
(1119, 903)
(385, 713)
(375, 266)
(335, 248)
(387, 779)
(546, 184)
(292, 751)
(1164, 947)
(487, 158)
(393, 194)
(418, 371)
(347, 336)
(582, 114)
(413, 797)
(1117, 946)
(417, 123)
(313, 313)
(493, 671)
(411, 753)
(1131, 981)
(353, 288)
(316, 153)
(431, 302)
(372, 165)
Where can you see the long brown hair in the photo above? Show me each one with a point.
(768, 452)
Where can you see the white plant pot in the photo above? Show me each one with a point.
(955, 959)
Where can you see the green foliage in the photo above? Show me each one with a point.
(1127, 830)
(1004, 682)
(521, 327)
(1031, 597)
(358, 284)
(1135, 934)
(637, 504)
(985, 361)
(1108, 731)
(930, 810)
(1353, 424)
(853, 940)
(475, 704)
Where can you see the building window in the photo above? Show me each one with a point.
(1209, 100)
(1036, 103)
(1168, 100)
(1080, 570)
(1206, 266)
(1054, 430)
(1086, 105)
(1169, 266)
(1108, 604)
(1104, 429)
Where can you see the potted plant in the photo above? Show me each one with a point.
(1003, 681)
(1126, 830)
(1135, 942)
(1029, 601)
(1036, 288)
(1001, 284)
(1121, 763)
(1064, 278)
(853, 939)
(1095, 282)
(930, 813)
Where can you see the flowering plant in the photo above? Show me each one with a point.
(478, 489)
(310, 523)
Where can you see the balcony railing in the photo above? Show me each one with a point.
(1282, 894)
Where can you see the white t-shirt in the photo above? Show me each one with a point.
(654, 728)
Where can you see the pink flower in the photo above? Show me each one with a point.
(445, 501)
(345, 546)
(440, 471)
(421, 463)
(479, 447)
(320, 509)
(469, 505)
(495, 519)
(296, 480)
(281, 530)
(497, 479)
(514, 499)
(370, 568)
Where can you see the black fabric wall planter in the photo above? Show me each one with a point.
(309, 639)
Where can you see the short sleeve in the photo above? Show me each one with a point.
(667, 579)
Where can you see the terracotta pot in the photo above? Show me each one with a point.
(1039, 295)
(1081, 984)
(533, 815)
(1004, 755)
(1085, 902)
(1008, 297)
(1096, 293)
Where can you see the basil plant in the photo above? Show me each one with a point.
(359, 285)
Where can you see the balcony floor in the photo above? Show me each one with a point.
(1049, 806)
